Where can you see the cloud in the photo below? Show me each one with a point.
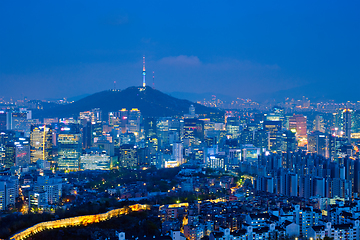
(115, 20)
(245, 65)
(223, 75)
(181, 60)
(221, 64)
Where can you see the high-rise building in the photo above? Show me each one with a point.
(347, 124)
(134, 121)
(19, 121)
(261, 139)
(95, 159)
(41, 143)
(232, 126)
(16, 120)
(246, 136)
(97, 113)
(318, 143)
(128, 156)
(150, 127)
(342, 120)
(9, 155)
(274, 128)
(48, 189)
(105, 145)
(96, 131)
(9, 191)
(289, 143)
(3, 120)
(193, 131)
(87, 137)
(17, 152)
(319, 124)
(69, 147)
(177, 152)
(259, 119)
(88, 116)
(355, 122)
(8, 136)
(297, 124)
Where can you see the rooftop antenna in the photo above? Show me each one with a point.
(114, 85)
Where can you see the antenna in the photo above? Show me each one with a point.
(114, 85)
(153, 80)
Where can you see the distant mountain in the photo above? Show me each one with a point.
(194, 97)
(76, 98)
(151, 103)
(316, 92)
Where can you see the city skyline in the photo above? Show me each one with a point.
(256, 50)
(246, 127)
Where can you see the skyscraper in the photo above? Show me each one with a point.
(261, 139)
(128, 156)
(318, 143)
(274, 127)
(347, 123)
(40, 143)
(69, 147)
(17, 152)
(297, 124)
(233, 126)
(3, 120)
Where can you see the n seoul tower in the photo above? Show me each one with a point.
(144, 72)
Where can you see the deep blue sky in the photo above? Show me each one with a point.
(53, 49)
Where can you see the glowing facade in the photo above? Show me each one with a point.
(40, 143)
(69, 144)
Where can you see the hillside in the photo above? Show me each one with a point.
(151, 103)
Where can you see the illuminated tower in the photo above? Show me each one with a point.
(144, 72)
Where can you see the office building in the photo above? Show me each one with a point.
(347, 124)
(261, 139)
(297, 125)
(3, 120)
(17, 153)
(232, 126)
(69, 147)
(41, 143)
(95, 159)
(128, 156)
(274, 128)
(9, 190)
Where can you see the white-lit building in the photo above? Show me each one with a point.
(95, 161)
(9, 190)
(49, 189)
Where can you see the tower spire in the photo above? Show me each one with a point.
(144, 72)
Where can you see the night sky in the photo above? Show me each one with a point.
(55, 49)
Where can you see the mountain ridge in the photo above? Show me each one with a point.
(151, 103)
